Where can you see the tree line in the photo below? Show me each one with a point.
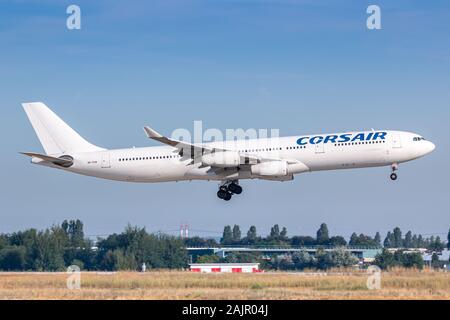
(338, 257)
(279, 237)
(57, 247)
(60, 246)
(322, 259)
(394, 239)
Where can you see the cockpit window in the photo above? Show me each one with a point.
(418, 139)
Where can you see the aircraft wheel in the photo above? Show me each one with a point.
(222, 193)
(393, 176)
(228, 196)
(235, 188)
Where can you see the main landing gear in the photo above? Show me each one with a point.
(394, 168)
(227, 190)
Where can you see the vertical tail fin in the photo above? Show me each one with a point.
(55, 135)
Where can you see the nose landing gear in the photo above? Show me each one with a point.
(394, 168)
(227, 190)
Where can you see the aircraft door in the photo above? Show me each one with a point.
(396, 141)
(106, 160)
(319, 147)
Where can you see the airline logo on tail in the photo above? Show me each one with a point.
(346, 137)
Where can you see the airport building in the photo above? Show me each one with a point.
(225, 267)
(365, 255)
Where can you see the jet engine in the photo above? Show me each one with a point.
(278, 168)
(270, 168)
(222, 159)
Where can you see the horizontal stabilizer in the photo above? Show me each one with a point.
(65, 161)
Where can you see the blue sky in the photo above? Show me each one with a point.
(300, 66)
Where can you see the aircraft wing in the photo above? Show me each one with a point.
(190, 149)
(195, 151)
(152, 134)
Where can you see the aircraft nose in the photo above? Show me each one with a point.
(430, 147)
(433, 146)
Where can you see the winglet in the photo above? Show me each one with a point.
(152, 134)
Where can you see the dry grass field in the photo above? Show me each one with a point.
(396, 284)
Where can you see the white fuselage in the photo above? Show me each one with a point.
(318, 152)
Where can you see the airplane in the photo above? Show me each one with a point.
(274, 159)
